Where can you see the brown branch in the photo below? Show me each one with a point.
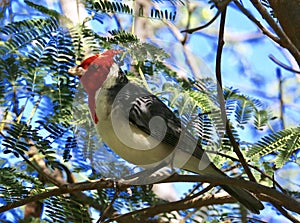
(233, 142)
(280, 96)
(40, 166)
(68, 188)
(54, 178)
(109, 207)
(286, 214)
(277, 197)
(271, 194)
(189, 16)
(195, 202)
(190, 31)
(256, 22)
(144, 213)
(284, 39)
(284, 66)
(287, 14)
(279, 207)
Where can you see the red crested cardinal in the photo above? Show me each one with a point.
(138, 126)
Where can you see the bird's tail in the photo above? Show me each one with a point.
(241, 195)
(245, 198)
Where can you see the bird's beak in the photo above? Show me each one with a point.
(76, 71)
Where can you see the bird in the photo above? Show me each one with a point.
(140, 128)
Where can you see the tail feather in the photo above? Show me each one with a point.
(245, 198)
(241, 195)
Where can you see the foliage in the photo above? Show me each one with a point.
(120, 7)
(66, 209)
(283, 143)
(47, 139)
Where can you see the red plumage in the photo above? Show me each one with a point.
(97, 68)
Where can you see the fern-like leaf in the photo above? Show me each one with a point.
(284, 142)
(243, 112)
(66, 209)
(261, 118)
(114, 6)
(245, 109)
(15, 185)
(46, 11)
(24, 32)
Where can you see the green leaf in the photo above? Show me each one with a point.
(283, 143)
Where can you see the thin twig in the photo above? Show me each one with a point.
(256, 22)
(284, 66)
(188, 56)
(191, 193)
(183, 204)
(206, 189)
(189, 16)
(190, 31)
(284, 40)
(34, 109)
(280, 97)
(218, 64)
(239, 219)
(236, 149)
(233, 142)
(285, 213)
(109, 207)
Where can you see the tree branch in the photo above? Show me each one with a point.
(107, 210)
(198, 202)
(286, 214)
(190, 31)
(64, 189)
(284, 66)
(277, 197)
(233, 142)
(256, 22)
(280, 97)
(268, 194)
(284, 40)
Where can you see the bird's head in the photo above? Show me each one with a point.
(92, 72)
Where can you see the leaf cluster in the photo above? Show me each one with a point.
(128, 8)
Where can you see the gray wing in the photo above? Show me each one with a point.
(151, 115)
